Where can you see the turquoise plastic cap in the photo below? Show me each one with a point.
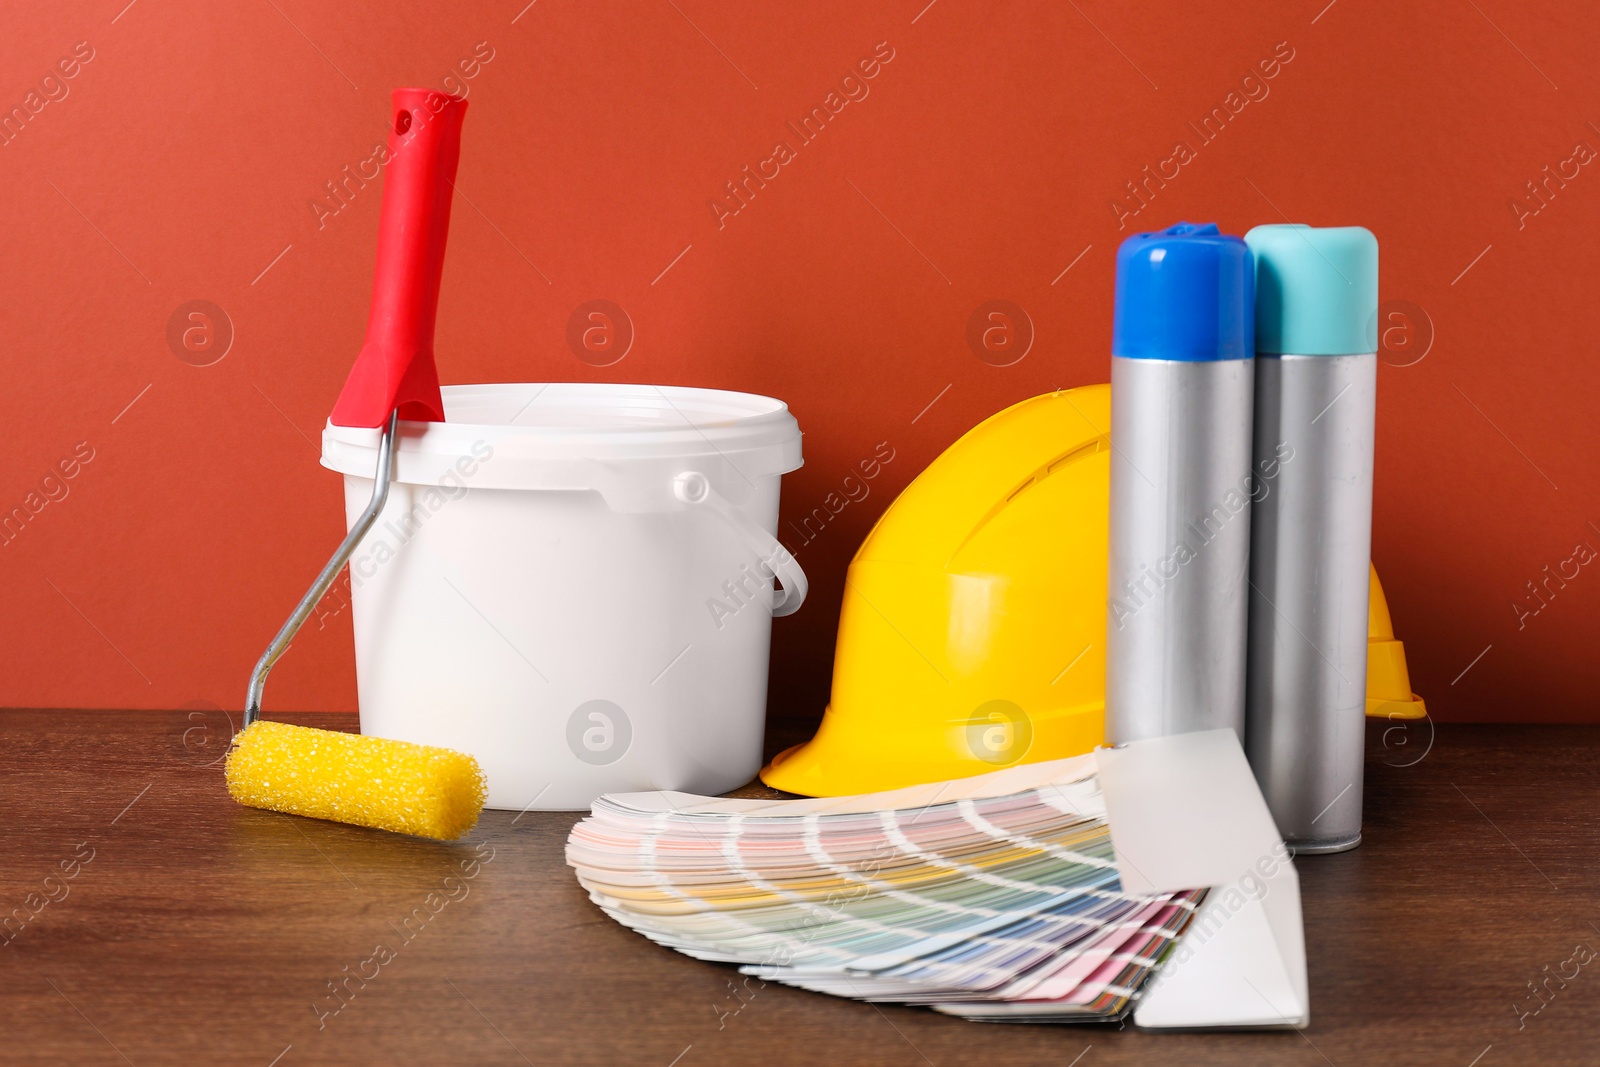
(1316, 289)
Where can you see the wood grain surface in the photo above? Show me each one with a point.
(152, 921)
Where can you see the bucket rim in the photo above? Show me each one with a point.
(536, 398)
(566, 422)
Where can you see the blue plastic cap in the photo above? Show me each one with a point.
(1316, 290)
(1186, 293)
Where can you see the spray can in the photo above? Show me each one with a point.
(1316, 397)
(1182, 376)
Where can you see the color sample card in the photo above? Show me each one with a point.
(995, 897)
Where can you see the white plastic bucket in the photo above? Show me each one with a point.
(573, 583)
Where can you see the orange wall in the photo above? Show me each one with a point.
(183, 162)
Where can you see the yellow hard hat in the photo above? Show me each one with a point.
(972, 634)
(1389, 694)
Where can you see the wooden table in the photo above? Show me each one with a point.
(164, 924)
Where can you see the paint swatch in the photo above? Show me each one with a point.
(994, 897)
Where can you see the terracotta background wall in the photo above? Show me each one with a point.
(187, 158)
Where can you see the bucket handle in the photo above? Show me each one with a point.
(693, 487)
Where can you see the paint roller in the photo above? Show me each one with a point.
(372, 781)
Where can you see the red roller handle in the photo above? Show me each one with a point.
(395, 370)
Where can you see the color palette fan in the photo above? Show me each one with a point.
(995, 897)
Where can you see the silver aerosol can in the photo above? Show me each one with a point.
(1182, 375)
(1316, 396)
